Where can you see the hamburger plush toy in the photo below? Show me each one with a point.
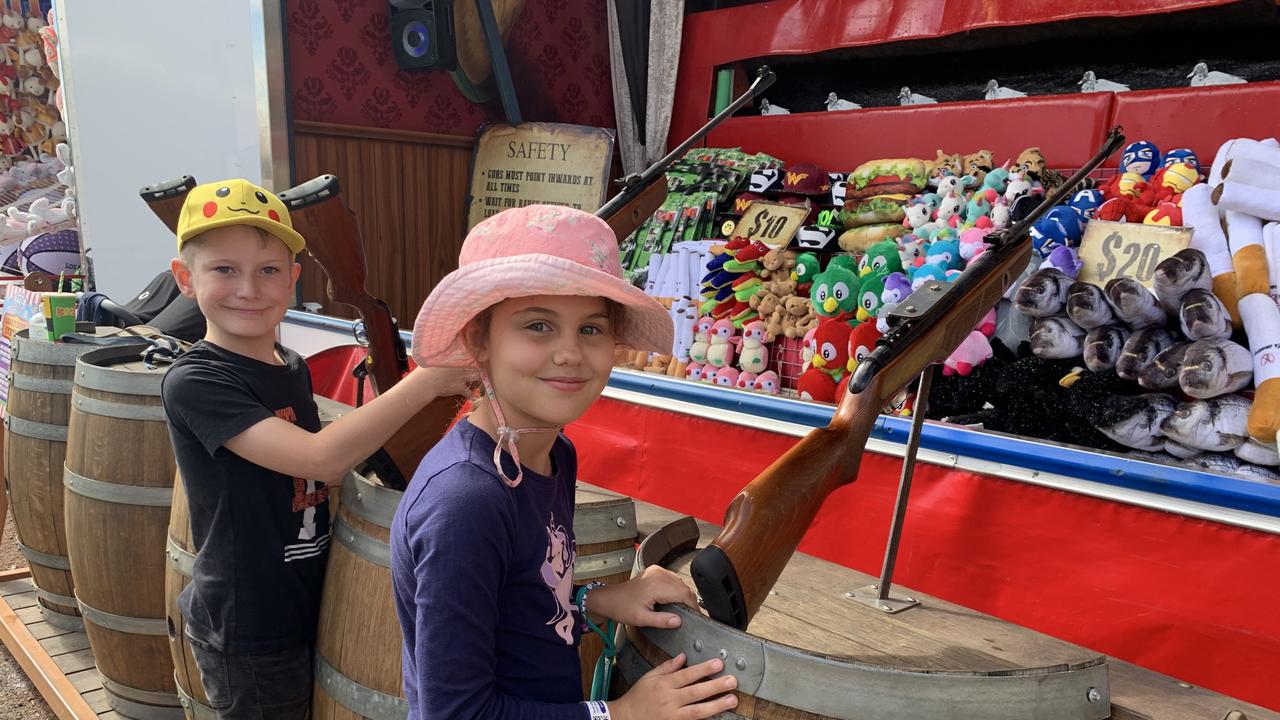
(876, 197)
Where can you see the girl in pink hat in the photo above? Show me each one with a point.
(482, 546)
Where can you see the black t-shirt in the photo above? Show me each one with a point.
(261, 537)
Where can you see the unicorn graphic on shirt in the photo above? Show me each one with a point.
(557, 573)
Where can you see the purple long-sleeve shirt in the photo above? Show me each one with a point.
(483, 579)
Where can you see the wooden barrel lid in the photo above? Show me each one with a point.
(119, 370)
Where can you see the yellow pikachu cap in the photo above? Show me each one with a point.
(236, 202)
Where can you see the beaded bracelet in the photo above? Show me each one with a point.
(580, 600)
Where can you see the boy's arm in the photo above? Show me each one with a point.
(326, 456)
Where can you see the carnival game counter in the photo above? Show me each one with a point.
(1166, 567)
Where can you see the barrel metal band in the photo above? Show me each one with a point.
(179, 559)
(114, 493)
(52, 386)
(62, 621)
(55, 598)
(371, 503)
(130, 708)
(357, 698)
(371, 549)
(601, 564)
(123, 382)
(198, 710)
(56, 562)
(633, 666)
(111, 409)
(39, 352)
(604, 524)
(124, 623)
(149, 697)
(35, 430)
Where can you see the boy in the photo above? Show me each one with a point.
(256, 466)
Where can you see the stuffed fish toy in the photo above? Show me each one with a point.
(1180, 451)
(1087, 306)
(1203, 316)
(1218, 424)
(1134, 421)
(1178, 275)
(1056, 338)
(1141, 349)
(1215, 367)
(1103, 346)
(1135, 305)
(1162, 373)
(1258, 453)
(1043, 294)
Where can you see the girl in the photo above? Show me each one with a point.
(482, 544)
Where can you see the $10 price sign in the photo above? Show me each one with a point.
(1112, 250)
(771, 223)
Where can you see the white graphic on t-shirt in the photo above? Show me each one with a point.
(557, 573)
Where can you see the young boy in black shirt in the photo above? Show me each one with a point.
(256, 466)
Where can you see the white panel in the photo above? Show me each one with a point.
(154, 89)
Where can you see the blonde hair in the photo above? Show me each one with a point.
(187, 253)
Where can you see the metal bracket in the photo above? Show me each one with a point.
(920, 301)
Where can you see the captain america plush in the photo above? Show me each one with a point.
(1141, 157)
(1086, 202)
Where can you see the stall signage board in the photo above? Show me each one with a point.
(1112, 250)
(771, 223)
(538, 163)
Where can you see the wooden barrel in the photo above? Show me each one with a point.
(179, 554)
(42, 374)
(861, 663)
(359, 644)
(119, 485)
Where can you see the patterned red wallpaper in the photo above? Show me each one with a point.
(342, 69)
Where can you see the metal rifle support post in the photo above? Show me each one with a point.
(877, 596)
(498, 59)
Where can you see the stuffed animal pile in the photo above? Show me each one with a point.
(30, 93)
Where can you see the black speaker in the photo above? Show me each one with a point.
(422, 34)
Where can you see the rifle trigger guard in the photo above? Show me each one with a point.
(360, 333)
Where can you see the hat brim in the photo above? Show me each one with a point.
(290, 237)
(468, 291)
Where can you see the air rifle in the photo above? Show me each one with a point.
(641, 195)
(765, 522)
(333, 239)
(165, 199)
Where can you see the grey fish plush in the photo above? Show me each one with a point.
(1056, 338)
(1179, 450)
(1231, 465)
(1141, 349)
(1162, 373)
(1215, 367)
(1203, 316)
(1087, 306)
(1135, 420)
(1258, 453)
(1102, 346)
(1178, 275)
(1215, 425)
(1135, 305)
(1043, 294)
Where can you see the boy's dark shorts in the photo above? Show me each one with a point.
(267, 686)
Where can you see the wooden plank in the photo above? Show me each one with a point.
(51, 682)
(75, 661)
(63, 644)
(18, 601)
(16, 586)
(29, 615)
(311, 127)
(112, 715)
(43, 630)
(97, 700)
(85, 680)
(14, 574)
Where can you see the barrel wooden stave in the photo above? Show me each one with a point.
(186, 673)
(604, 527)
(117, 547)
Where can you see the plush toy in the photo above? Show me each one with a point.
(1086, 202)
(834, 291)
(974, 350)
(693, 371)
(1199, 212)
(948, 214)
(746, 381)
(768, 382)
(978, 164)
(883, 257)
(754, 356)
(1141, 157)
(709, 373)
(943, 166)
(831, 344)
(893, 288)
(1261, 318)
(996, 181)
(1182, 155)
(806, 269)
(1030, 163)
(944, 253)
(701, 339)
(1166, 214)
(918, 215)
(727, 377)
(720, 352)
(816, 385)
(808, 348)
(861, 342)
(1000, 215)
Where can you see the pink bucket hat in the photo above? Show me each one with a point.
(534, 250)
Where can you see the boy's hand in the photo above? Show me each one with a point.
(438, 382)
(669, 692)
(631, 602)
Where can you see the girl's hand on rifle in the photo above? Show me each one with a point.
(670, 691)
(632, 602)
(438, 382)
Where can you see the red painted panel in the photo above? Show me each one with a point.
(1067, 128)
(1185, 597)
(1199, 118)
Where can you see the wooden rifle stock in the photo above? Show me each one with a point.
(766, 521)
(165, 199)
(333, 239)
(639, 208)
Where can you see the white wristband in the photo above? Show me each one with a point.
(598, 709)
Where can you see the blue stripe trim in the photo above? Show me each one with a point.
(1134, 474)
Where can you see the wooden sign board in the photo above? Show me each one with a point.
(538, 163)
(1111, 250)
(771, 223)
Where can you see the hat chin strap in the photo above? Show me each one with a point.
(508, 437)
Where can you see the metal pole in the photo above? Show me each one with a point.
(498, 58)
(877, 596)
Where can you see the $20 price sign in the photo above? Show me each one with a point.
(1112, 250)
